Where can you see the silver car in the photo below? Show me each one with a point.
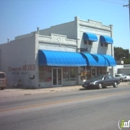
(3, 80)
(123, 77)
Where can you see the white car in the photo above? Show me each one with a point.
(127, 78)
(3, 80)
(123, 77)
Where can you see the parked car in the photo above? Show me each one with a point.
(101, 82)
(123, 77)
(3, 80)
(127, 78)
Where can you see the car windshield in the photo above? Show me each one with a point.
(96, 78)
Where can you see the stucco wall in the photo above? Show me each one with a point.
(124, 70)
(97, 28)
(57, 43)
(75, 30)
(68, 29)
(18, 60)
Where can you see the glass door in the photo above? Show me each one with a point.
(57, 78)
(93, 72)
(54, 76)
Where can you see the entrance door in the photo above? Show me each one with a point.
(93, 72)
(57, 79)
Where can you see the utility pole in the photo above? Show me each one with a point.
(128, 5)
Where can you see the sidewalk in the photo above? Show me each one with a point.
(21, 92)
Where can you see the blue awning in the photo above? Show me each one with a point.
(90, 60)
(106, 39)
(59, 58)
(90, 36)
(99, 60)
(110, 60)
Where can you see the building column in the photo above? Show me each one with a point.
(112, 50)
(36, 60)
(78, 43)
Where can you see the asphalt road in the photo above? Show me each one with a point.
(77, 110)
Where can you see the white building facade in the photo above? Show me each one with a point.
(61, 55)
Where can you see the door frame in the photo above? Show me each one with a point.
(57, 76)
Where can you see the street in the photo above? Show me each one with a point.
(91, 109)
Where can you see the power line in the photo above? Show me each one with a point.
(112, 2)
(126, 5)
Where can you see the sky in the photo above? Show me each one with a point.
(18, 17)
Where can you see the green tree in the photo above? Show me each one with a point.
(120, 52)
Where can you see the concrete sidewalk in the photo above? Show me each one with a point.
(20, 92)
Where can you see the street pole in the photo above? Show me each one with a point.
(129, 16)
(128, 5)
(112, 50)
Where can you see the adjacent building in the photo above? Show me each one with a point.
(61, 55)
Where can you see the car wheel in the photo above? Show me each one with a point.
(121, 80)
(100, 86)
(115, 85)
(2, 88)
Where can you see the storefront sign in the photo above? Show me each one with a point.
(21, 70)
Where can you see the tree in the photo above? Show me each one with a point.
(120, 52)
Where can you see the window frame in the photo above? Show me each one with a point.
(88, 42)
(104, 44)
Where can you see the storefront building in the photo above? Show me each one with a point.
(61, 55)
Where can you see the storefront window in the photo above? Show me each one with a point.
(104, 70)
(73, 73)
(101, 70)
(70, 73)
(45, 74)
(85, 73)
(66, 73)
